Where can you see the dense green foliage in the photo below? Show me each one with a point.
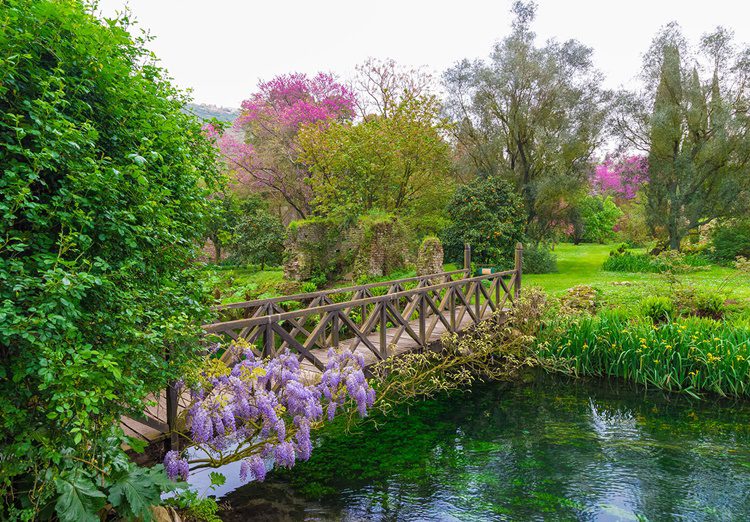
(627, 261)
(694, 130)
(259, 235)
(487, 214)
(731, 240)
(103, 199)
(397, 163)
(537, 259)
(531, 114)
(594, 219)
(222, 222)
(688, 354)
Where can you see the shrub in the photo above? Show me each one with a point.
(104, 192)
(579, 299)
(488, 214)
(731, 240)
(623, 260)
(259, 235)
(629, 262)
(710, 305)
(658, 308)
(538, 259)
(595, 219)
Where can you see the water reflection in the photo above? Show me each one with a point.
(555, 450)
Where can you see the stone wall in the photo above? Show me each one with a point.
(382, 246)
(316, 247)
(430, 257)
(375, 246)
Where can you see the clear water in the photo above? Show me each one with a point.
(552, 450)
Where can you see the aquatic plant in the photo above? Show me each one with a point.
(689, 354)
(261, 412)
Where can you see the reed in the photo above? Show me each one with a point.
(689, 354)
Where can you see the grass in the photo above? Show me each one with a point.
(581, 265)
(246, 283)
(678, 353)
(577, 265)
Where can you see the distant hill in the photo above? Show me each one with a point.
(206, 112)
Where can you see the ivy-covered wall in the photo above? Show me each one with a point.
(382, 245)
(430, 256)
(374, 246)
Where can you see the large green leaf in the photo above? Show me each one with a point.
(134, 492)
(79, 500)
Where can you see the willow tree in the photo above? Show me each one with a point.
(692, 121)
(531, 114)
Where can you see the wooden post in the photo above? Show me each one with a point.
(467, 259)
(518, 268)
(452, 308)
(335, 330)
(383, 326)
(477, 294)
(422, 318)
(173, 441)
(268, 341)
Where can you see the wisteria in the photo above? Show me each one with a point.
(262, 412)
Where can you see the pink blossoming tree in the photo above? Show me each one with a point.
(261, 147)
(620, 177)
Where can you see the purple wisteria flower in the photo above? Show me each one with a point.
(175, 466)
(268, 405)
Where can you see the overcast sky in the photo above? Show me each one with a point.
(221, 48)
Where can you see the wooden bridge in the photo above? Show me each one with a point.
(376, 320)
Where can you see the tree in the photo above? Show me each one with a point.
(382, 86)
(620, 178)
(695, 131)
(261, 148)
(103, 199)
(222, 222)
(259, 235)
(594, 219)
(397, 163)
(487, 213)
(533, 115)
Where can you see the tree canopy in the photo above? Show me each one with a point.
(533, 115)
(692, 121)
(396, 162)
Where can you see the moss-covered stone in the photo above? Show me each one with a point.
(430, 256)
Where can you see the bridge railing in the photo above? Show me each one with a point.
(261, 307)
(373, 321)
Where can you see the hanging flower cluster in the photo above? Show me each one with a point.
(262, 411)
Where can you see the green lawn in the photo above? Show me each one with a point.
(577, 265)
(242, 284)
(581, 265)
